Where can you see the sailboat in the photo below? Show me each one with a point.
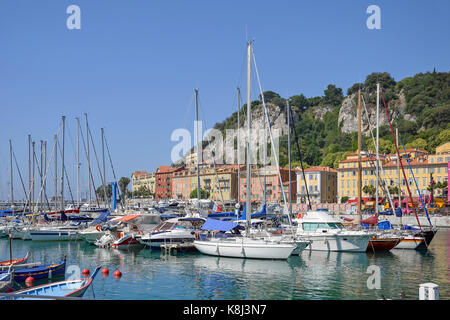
(382, 241)
(411, 240)
(246, 246)
(327, 233)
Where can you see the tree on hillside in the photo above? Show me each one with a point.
(269, 95)
(418, 143)
(333, 96)
(299, 101)
(354, 88)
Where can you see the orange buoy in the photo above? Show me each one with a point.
(29, 281)
(117, 274)
(85, 272)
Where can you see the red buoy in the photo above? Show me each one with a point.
(117, 274)
(29, 281)
(85, 272)
(105, 271)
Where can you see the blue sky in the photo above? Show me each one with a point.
(134, 65)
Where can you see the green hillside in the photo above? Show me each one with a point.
(425, 98)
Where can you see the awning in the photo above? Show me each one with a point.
(219, 225)
(127, 218)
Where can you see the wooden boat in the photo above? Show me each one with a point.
(13, 261)
(67, 288)
(40, 272)
(380, 244)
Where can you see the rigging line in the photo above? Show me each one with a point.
(98, 165)
(110, 160)
(89, 169)
(412, 173)
(45, 177)
(67, 177)
(212, 154)
(112, 168)
(300, 156)
(399, 159)
(20, 175)
(271, 137)
(39, 173)
(379, 162)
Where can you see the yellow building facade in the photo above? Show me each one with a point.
(143, 179)
(221, 182)
(322, 185)
(424, 166)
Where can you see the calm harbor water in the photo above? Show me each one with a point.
(312, 275)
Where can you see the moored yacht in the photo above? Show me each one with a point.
(326, 233)
(173, 230)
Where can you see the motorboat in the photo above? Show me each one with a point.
(326, 233)
(173, 230)
(124, 234)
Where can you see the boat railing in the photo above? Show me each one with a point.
(12, 296)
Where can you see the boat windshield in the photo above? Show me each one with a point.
(164, 226)
(312, 226)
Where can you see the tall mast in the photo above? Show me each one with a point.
(265, 161)
(33, 182)
(45, 168)
(41, 173)
(104, 170)
(288, 113)
(29, 167)
(11, 170)
(87, 154)
(198, 150)
(398, 177)
(238, 148)
(377, 150)
(78, 162)
(358, 216)
(249, 104)
(56, 171)
(62, 160)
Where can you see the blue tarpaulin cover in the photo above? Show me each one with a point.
(384, 225)
(218, 225)
(102, 218)
(406, 227)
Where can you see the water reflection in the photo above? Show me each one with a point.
(312, 275)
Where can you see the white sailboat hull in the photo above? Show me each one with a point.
(52, 235)
(409, 242)
(245, 248)
(337, 242)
